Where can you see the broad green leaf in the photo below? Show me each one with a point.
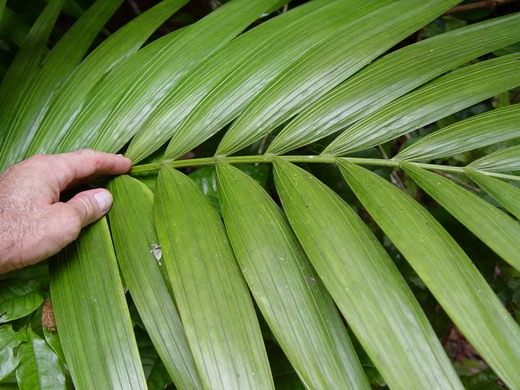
(330, 63)
(24, 68)
(239, 68)
(140, 259)
(212, 297)
(23, 120)
(2, 8)
(436, 100)
(444, 268)
(290, 295)
(40, 368)
(495, 228)
(19, 298)
(13, 27)
(125, 99)
(505, 160)
(365, 284)
(392, 76)
(476, 132)
(92, 315)
(75, 93)
(506, 194)
(54, 342)
(9, 341)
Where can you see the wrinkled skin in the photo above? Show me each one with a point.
(34, 223)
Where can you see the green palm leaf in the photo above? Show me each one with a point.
(328, 65)
(438, 99)
(391, 77)
(338, 243)
(505, 160)
(92, 315)
(75, 93)
(215, 92)
(140, 260)
(217, 86)
(13, 27)
(120, 104)
(506, 194)
(499, 231)
(444, 268)
(23, 120)
(290, 295)
(212, 296)
(23, 70)
(476, 132)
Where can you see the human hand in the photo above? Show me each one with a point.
(34, 224)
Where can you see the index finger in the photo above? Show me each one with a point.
(71, 168)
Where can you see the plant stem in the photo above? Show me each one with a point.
(153, 168)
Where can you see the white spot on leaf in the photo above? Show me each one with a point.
(156, 251)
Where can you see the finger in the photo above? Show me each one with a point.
(62, 223)
(65, 220)
(89, 206)
(71, 168)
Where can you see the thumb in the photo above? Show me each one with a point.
(89, 206)
(67, 219)
(63, 222)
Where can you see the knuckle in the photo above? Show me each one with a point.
(86, 152)
(86, 208)
(38, 158)
(99, 163)
(36, 163)
(95, 159)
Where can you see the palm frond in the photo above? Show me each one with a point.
(364, 283)
(136, 245)
(22, 121)
(285, 286)
(444, 268)
(91, 310)
(20, 75)
(506, 160)
(210, 291)
(75, 93)
(506, 194)
(318, 72)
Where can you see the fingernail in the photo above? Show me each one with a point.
(103, 200)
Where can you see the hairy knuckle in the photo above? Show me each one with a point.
(37, 163)
(86, 152)
(38, 158)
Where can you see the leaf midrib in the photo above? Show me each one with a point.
(153, 168)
